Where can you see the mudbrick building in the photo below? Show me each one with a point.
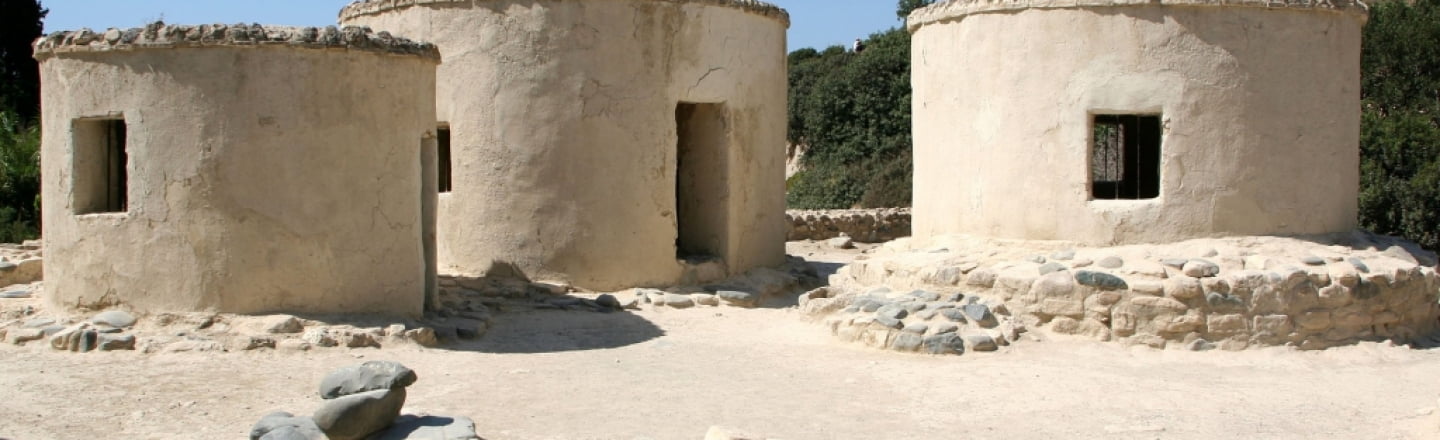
(238, 168)
(608, 144)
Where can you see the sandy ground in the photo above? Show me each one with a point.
(671, 374)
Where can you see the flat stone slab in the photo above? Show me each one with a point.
(369, 376)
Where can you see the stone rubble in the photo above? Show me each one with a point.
(860, 225)
(916, 321)
(363, 402)
(1229, 294)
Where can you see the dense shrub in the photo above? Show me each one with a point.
(19, 179)
(1400, 130)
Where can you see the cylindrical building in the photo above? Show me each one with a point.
(612, 143)
(1129, 121)
(241, 169)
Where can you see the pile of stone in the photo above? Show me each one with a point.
(862, 225)
(916, 321)
(477, 298)
(106, 331)
(363, 402)
(1218, 293)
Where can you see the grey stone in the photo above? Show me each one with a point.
(1220, 301)
(885, 321)
(15, 294)
(114, 318)
(1313, 261)
(705, 299)
(80, 338)
(1198, 268)
(917, 328)
(1174, 262)
(1200, 345)
(955, 315)
(980, 314)
(6, 266)
(945, 343)
(1037, 259)
(938, 305)
(369, 376)
(608, 301)
(410, 427)
(1065, 255)
(284, 324)
(355, 416)
(871, 306)
(925, 315)
(738, 298)
(906, 342)
(953, 297)
(925, 296)
(913, 307)
(1359, 264)
(979, 342)
(320, 337)
(1050, 268)
(946, 328)
(282, 425)
(678, 301)
(1111, 262)
(893, 312)
(1100, 280)
(115, 342)
(842, 242)
(22, 335)
(38, 323)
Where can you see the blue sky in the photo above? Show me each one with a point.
(814, 23)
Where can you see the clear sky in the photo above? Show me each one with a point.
(814, 23)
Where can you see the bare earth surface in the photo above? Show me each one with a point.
(671, 374)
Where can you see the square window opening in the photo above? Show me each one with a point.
(101, 160)
(1125, 157)
(442, 149)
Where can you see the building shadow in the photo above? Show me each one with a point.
(552, 331)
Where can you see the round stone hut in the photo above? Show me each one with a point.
(240, 169)
(1128, 121)
(609, 144)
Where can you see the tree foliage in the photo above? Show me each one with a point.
(19, 178)
(21, 22)
(905, 7)
(1400, 132)
(852, 111)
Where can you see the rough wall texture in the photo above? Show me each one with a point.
(564, 134)
(1214, 293)
(1260, 109)
(863, 225)
(260, 178)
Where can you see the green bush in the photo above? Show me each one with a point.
(852, 111)
(1400, 129)
(19, 179)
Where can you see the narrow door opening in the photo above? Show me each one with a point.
(701, 181)
(100, 178)
(429, 213)
(1125, 157)
(442, 139)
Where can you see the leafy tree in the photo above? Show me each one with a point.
(852, 111)
(21, 22)
(19, 179)
(1400, 129)
(905, 7)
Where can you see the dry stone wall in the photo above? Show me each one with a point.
(862, 225)
(159, 35)
(1229, 294)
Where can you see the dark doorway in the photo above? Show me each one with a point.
(1125, 157)
(701, 181)
(442, 139)
(101, 180)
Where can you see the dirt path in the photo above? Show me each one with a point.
(546, 375)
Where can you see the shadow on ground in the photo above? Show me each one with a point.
(550, 331)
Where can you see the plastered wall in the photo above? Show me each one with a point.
(261, 177)
(1260, 108)
(564, 133)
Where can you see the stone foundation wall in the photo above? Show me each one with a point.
(1231, 300)
(863, 225)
